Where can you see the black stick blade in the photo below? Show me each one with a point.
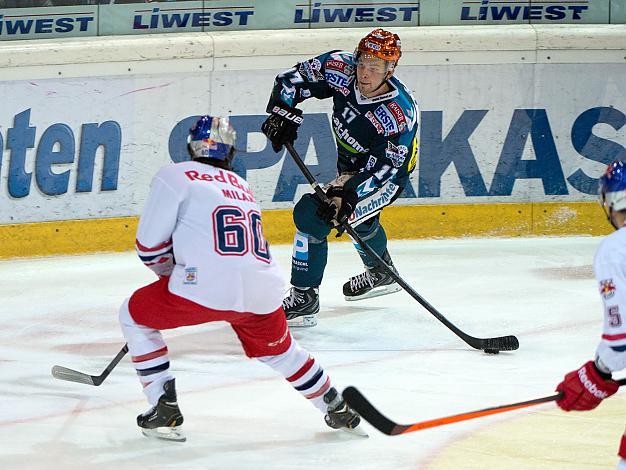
(503, 343)
(63, 373)
(362, 406)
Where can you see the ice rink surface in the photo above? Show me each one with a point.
(240, 415)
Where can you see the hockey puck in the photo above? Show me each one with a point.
(492, 351)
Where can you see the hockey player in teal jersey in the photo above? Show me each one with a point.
(375, 122)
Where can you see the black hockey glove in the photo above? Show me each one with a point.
(340, 206)
(281, 127)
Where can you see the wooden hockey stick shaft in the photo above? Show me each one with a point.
(502, 343)
(369, 413)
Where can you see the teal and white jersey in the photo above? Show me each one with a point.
(376, 137)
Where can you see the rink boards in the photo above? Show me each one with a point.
(401, 222)
(517, 125)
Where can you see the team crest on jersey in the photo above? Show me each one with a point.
(311, 69)
(607, 288)
(397, 155)
(191, 276)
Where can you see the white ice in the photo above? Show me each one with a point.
(240, 415)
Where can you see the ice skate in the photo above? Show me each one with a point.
(372, 283)
(301, 306)
(164, 420)
(340, 416)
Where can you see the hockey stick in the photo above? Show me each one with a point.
(491, 345)
(362, 405)
(63, 373)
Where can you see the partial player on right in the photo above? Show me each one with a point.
(584, 388)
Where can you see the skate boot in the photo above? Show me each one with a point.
(339, 415)
(164, 420)
(372, 283)
(301, 305)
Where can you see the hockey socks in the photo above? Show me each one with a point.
(303, 373)
(148, 354)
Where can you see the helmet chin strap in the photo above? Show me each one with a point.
(387, 76)
(381, 83)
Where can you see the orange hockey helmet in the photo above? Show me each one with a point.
(382, 44)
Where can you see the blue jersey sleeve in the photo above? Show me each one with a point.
(305, 80)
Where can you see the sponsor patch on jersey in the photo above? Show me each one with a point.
(336, 79)
(304, 93)
(191, 276)
(375, 122)
(607, 288)
(387, 119)
(344, 138)
(397, 155)
(339, 66)
(371, 162)
(311, 69)
(398, 114)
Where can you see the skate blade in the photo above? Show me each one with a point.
(358, 431)
(166, 433)
(376, 292)
(304, 321)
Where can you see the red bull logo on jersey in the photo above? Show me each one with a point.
(221, 177)
(607, 288)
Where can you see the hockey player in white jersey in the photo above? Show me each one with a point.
(201, 233)
(584, 388)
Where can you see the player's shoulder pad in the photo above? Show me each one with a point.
(407, 103)
(340, 61)
(612, 250)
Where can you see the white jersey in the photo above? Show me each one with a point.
(610, 270)
(209, 218)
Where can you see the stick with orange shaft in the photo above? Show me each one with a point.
(361, 405)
